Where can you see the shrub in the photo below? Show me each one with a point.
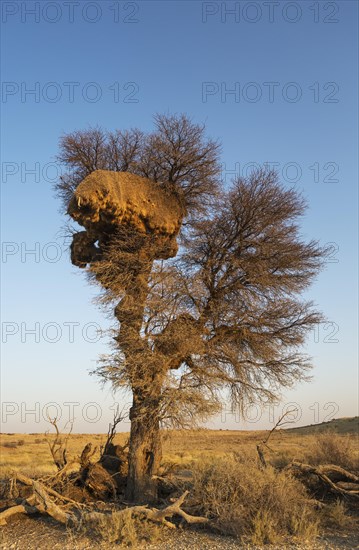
(331, 448)
(258, 506)
(335, 515)
(10, 444)
(281, 460)
(122, 528)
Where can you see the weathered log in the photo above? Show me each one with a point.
(336, 473)
(351, 487)
(261, 456)
(50, 507)
(24, 508)
(30, 482)
(74, 516)
(86, 455)
(160, 516)
(323, 473)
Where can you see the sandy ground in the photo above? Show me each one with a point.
(31, 534)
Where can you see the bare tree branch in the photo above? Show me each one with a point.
(58, 447)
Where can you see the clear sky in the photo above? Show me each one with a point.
(276, 82)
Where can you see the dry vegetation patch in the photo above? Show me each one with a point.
(258, 505)
(331, 448)
(226, 482)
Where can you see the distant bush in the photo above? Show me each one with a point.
(14, 444)
(331, 448)
(10, 444)
(258, 506)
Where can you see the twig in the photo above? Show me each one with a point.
(118, 416)
(264, 443)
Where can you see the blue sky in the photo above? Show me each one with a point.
(275, 82)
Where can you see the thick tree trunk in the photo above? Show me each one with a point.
(145, 450)
(146, 378)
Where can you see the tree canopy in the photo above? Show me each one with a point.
(227, 312)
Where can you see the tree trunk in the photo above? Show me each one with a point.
(146, 378)
(145, 450)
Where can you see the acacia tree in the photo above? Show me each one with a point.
(225, 313)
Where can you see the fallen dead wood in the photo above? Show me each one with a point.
(326, 472)
(65, 470)
(41, 494)
(30, 482)
(347, 485)
(151, 514)
(24, 508)
(49, 506)
(160, 516)
(74, 514)
(336, 473)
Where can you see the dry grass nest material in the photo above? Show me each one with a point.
(117, 198)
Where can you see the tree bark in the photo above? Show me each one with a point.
(145, 450)
(146, 378)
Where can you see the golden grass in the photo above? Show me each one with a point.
(182, 448)
(259, 506)
(221, 470)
